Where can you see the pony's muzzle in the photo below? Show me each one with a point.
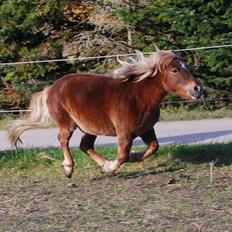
(196, 91)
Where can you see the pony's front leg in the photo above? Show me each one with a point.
(124, 147)
(149, 138)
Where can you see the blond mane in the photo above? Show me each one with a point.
(141, 67)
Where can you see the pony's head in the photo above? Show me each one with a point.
(172, 70)
(178, 79)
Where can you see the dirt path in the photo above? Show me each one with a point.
(201, 131)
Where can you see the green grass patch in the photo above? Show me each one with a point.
(168, 158)
(5, 119)
(184, 113)
(170, 191)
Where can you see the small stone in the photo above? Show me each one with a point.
(72, 185)
(110, 174)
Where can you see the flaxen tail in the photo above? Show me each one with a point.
(38, 117)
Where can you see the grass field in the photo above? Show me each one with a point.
(181, 113)
(171, 191)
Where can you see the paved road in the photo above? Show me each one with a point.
(201, 131)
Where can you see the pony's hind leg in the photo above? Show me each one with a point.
(149, 138)
(64, 137)
(66, 125)
(87, 146)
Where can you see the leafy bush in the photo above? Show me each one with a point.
(185, 24)
(53, 29)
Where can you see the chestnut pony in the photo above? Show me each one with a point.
(124, 104)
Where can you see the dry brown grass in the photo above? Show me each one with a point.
(171, 192)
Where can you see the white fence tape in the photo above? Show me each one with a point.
(107, 56)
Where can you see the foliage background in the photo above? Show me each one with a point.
(53, 29)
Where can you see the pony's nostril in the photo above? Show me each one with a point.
(198, 88)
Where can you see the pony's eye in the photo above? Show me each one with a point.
(174, 70)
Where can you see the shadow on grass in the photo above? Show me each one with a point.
(149, 171)
(168, 159)
(183, 154)
(204, 153)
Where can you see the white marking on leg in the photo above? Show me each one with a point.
(99, 163)
(109, 166)
(65, 163)
(68, 168)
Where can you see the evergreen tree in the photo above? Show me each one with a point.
(53, 29)
(186, 24)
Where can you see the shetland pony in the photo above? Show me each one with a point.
(123, 104)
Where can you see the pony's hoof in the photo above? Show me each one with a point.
(109, 167)
(68, 170)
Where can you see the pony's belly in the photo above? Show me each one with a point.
(94, 129)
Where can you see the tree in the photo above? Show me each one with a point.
(27, 32)
(185, 24)
(53, 29)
